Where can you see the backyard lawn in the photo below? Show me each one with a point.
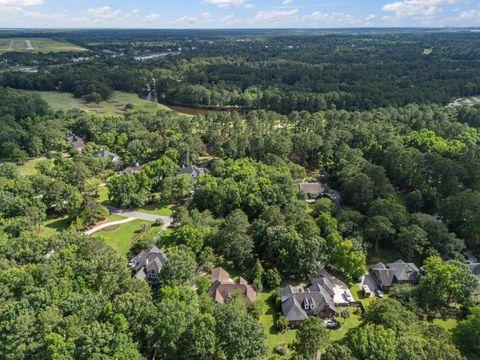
(28, 168)
(119, 237)
(383, 255)
(346, 324)
(53, 226)
(158, 208)
(268, 317)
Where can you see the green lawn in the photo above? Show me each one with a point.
(38, 45)
(103, 196)
(383, 255)
(268, 317)
(65, 101)
(53, 226)
(28, 168)
(346, 324)
(447, 324)
(158, 208)
(120, 237)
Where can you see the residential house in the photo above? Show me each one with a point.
(298, 304)
(148, 264)
(105, 154)
(312, 190)
(76, 142)
(132, 169)
(399, 272)
(193, 171)
(223, 287)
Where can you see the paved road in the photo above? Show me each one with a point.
(167, 221)
(112, 223)
(29, 45)
(130, 216)
(11, 45)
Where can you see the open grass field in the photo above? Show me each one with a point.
(120, 236)
(115, 106)
(28, 168)
(36, 45)
(427, 51)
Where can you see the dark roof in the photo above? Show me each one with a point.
(107, 154)
(192, 170)
(399, 271)
(295, 306)
(311, 188)
(76, 142)
(404, 271)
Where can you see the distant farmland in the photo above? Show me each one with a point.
(36, 45)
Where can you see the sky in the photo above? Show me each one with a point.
(237, 13)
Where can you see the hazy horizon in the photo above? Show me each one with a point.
(238, 14)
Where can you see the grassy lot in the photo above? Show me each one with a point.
(54, 226)
(346, 324)
(427, 51)
(158, 208)
(115, 106)
(28, 168)
(268, 317)
(120, 236)
(38, 45)
(447, 324)
(383, 255)
(103, 196)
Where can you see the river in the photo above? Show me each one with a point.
(189, 110)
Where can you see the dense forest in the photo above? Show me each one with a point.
(311, 72)
(363, 113)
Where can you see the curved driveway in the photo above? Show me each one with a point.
(130, 216)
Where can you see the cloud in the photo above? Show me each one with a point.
(272, 15)
(104, 12)
(334, 19)
(19, 3)
(249, 6)
(416, 8)
(286, 2)
(152, 17)
(470, 15)
(225, 3)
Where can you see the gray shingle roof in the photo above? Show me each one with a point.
(76, 142)
(193, 171)
(399, 271)
(106, 154)
(148, 264)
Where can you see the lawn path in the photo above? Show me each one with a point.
(112, 223)
(131, 215)
(167, 221)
